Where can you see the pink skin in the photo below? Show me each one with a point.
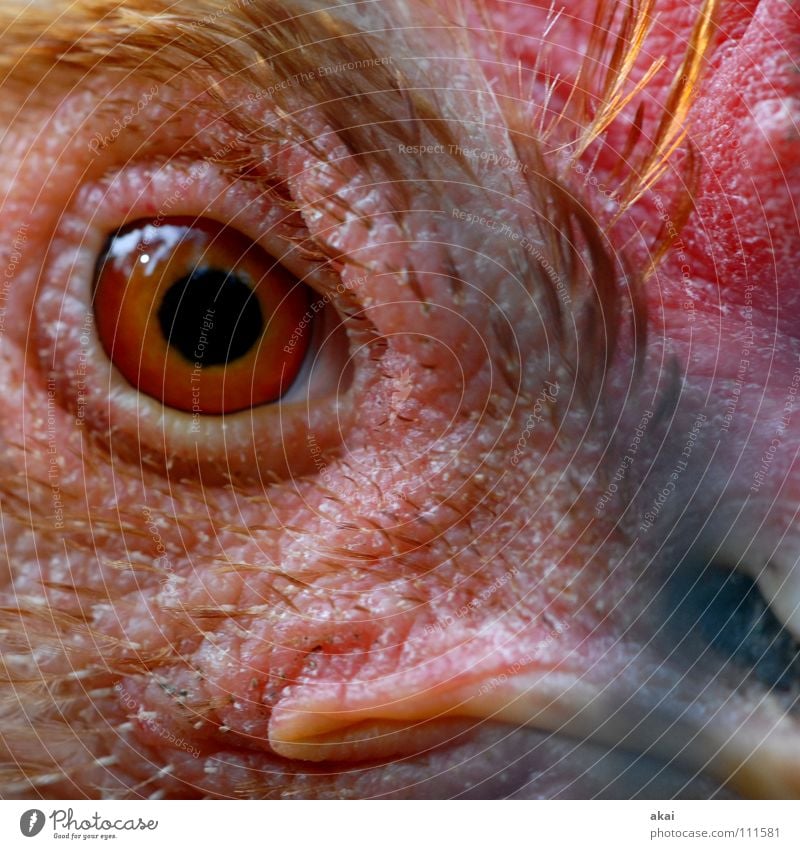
(388, 600)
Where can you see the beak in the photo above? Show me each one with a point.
(752, 749)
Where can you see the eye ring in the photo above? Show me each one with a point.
(251, 445)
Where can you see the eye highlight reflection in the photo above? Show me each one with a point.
(197, 316)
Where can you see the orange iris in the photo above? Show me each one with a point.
(196, 315)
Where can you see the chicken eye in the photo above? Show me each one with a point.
(199, 317)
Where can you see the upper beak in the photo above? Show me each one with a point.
(752, 749)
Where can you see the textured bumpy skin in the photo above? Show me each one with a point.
(557, 255)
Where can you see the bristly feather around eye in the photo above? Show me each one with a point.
(267, 43)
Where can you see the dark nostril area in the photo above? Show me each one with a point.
(211, 316)
(724, 609)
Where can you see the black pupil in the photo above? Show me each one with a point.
(212, 317)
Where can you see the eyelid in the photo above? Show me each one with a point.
(264, 441)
